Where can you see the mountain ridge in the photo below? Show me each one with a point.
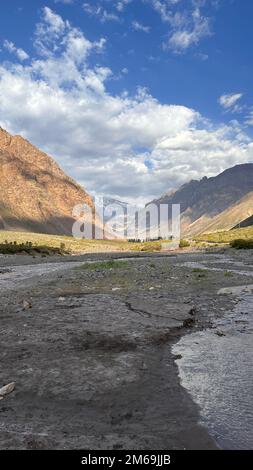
(215, 203)
(35, 194)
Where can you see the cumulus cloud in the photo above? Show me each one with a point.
(125, 146)
(229, 101)
(20, 53)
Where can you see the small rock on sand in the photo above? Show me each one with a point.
(220, 333)
(6, 390)
(26, 305)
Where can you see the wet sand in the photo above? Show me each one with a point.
(90, 351)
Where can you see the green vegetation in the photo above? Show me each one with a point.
(10, 248)
(228, 274)
(198, 270)
(241, 244)
(18, 242)
(184, 244)
(152, 265)
(229, 236)
(100, 266)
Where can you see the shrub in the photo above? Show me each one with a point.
(184, 244)
(240, 244)
(11, 248)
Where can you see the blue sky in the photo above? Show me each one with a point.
(132, 97)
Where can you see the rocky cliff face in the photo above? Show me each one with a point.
(35, 194)
(215, 203)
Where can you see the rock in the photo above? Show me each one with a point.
(5, 271)
(193, 311)
(61, 299)
(26, 305)
(189, 322)
(178, 356)
(6, 390)
(114, 289)
(219, 333)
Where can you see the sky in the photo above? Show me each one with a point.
(131, 97)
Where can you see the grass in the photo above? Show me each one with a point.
(228, 274)
(229, 236)
(17, 242)
(104, 265)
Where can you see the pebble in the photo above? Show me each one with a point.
(6, 390)
(26, 305)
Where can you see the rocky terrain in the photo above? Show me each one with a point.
(87, 342)
(218, 203)
(35, 194)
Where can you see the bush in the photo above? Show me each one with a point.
(184, 244)
(241, 244)
(11, 248)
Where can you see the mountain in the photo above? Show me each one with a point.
(35, 194)
(218, 203)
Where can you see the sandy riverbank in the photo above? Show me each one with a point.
(91, 357)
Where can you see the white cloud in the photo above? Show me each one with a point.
(182, 39)
(101, 13)
(130, 147)
(187, 26)
(20, 53)
(202, 56)
(120, 5)
(229, 101)
(140, 27)
(249, 118)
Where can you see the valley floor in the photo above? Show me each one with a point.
(88, 342)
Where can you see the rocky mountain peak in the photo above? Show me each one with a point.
(35, 194)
